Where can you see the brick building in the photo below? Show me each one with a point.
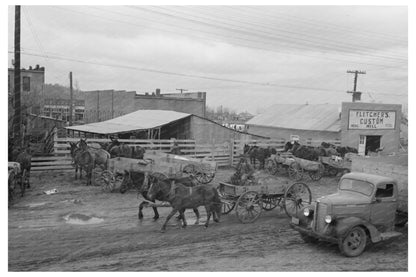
(59, 109)
(102, 105)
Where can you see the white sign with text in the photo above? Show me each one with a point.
(363, 119)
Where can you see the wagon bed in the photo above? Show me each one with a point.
(249, 201)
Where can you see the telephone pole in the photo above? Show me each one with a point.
(17, 119)
(182, 89)
(356, 95)
(71, 102)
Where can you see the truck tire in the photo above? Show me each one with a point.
(354, 243)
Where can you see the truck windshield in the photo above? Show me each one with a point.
(363, 187)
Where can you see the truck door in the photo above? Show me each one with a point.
(383, 208)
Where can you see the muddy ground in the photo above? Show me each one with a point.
(84, 229)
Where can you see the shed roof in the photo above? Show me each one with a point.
(138, 120)
(320, 117)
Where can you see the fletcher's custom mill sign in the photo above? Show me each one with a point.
(363, 119)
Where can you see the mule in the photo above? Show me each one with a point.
(140, 181)
(101, 156)
(181, 197)
(83, 159)
(24, 158)
(256, 152)
(118, 149)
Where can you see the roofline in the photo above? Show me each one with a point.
(268, 126)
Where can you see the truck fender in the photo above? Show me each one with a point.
(345, 224)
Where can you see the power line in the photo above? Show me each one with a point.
(266, 84)
(226, 37)
(323, 42)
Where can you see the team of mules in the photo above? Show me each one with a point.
(258, 153)
(180, 193)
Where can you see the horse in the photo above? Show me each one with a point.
(118, 149)
(101, 156)
(181, 197)
(83, 159)
(258, 153)
(141, 180)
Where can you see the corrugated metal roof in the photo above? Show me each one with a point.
(321, 117)
(138, 120)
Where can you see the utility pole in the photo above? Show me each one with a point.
(182, 89)
(71, 103)
(356, 95)
(17, 120)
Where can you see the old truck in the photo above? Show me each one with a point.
(363, 211)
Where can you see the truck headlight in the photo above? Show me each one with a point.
(306, 212)
(328, 219)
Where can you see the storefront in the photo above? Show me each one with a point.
(371, 127)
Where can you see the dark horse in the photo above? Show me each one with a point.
(25, 160)
(141, 181)
(182, 197)
(118, 149)
(256, 152)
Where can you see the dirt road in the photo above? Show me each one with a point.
(84, 229)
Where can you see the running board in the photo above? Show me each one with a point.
(389, 235)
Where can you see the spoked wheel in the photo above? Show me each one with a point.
(249, 206)
(189, 169)
(297, 196)
(110, 181)
(295, 171)
(317, 175)
(270, 202)
(227, 204)
(204, 177)
(271, 166)
(353, 244)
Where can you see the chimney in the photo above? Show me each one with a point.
(158, 92)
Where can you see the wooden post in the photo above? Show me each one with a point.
(231, 152)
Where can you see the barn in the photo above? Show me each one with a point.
(163, 124)
(304, 122)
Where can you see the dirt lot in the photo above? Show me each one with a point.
(84, 229)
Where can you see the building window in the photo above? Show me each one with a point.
(26, 83)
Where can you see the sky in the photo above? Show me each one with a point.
(246, 58)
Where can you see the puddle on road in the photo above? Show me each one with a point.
(82, 219)
(34, 205)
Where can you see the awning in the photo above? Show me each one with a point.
(135, 121)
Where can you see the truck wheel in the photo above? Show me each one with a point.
(353, 244)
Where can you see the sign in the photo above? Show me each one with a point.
(367, 119)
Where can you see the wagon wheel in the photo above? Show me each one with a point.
(189, 169)
(270, 202)
(204, 178)
(297, 196)
(249, 206)
(103, 178)
(107, 181)
(160, 176)
(295, 171)
(317, 175)
(271, 166)
(227, 204)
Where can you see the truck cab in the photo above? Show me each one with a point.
(363, 210)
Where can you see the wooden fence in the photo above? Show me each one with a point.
(224, 154)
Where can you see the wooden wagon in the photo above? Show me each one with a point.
(165, 165)
(295, 167)
(265, 194)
